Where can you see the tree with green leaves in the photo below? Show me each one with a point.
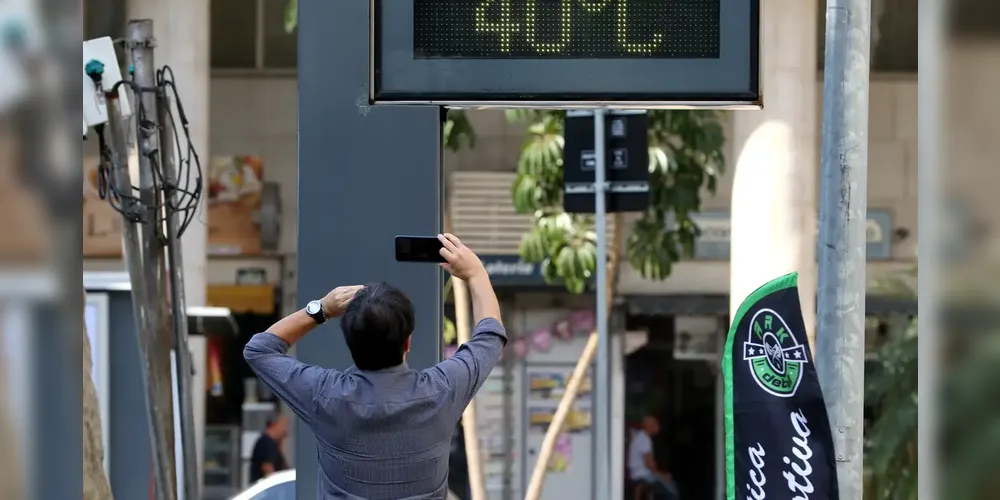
(686, 160)
(890, 452)
(891, 442)
(291, 15)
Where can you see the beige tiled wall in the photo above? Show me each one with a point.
(892, 156)
(258, 116)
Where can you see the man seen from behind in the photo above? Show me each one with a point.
(383, 430)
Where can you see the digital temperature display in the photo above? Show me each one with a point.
(567, 29)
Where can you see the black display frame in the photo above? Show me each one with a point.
(732, 81)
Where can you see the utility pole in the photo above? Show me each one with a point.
(155, 332)
(842, 234)
(142, 307)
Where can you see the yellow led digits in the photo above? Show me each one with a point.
(593, 5)
(504, 27)
(565, 24)
(621, 32)
(566, 29)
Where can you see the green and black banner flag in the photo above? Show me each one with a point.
(778, 441)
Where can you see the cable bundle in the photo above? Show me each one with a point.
(180, 195)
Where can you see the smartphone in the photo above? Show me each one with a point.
(418, 249)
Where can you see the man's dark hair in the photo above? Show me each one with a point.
(376, 325)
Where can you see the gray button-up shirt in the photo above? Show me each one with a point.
(380, 434)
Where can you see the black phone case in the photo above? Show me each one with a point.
(418, 249)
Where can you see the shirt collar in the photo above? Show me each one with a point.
(400, 368)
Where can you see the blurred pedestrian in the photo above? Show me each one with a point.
(268, 454)
(383, 430)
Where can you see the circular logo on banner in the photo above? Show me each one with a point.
(774, 354)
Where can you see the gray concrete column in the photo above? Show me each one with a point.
(774, 197)
(365, 175)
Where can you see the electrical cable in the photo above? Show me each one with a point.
(188, 161)
(187, 184)
(125, 204)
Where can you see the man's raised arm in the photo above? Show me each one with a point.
(293, 381)
(484, 300)
(467, 370)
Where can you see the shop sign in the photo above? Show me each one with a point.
(511, 270)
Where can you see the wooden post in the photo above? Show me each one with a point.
(12, 479)
(477, 483)
(576, 379)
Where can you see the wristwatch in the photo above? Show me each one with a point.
(315, 311)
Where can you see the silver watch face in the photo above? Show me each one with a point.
(313, 307)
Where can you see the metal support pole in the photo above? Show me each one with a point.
(187, 469)
(602, 382)
(159, 339)
(842, 215)
(122, 179)
(140, 300)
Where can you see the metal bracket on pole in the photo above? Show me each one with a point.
(130, 44)
(624, 158)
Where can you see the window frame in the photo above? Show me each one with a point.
(260, 36)
(876, 73)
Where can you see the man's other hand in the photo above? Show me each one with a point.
(335, 302)
(461, 262)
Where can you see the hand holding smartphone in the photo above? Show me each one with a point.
(419, 249)
(461, 262)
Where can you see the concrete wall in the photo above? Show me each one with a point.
(257, 115)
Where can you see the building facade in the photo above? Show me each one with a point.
(236, 67)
